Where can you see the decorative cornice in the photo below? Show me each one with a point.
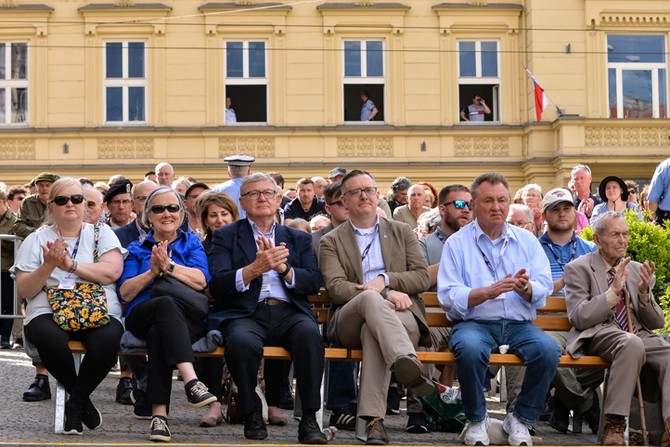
(361, 6)
(261, 7)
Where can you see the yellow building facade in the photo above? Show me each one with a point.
(94, 88)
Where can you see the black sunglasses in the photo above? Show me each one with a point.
(459, 204)
(76, 199)
(159, 209)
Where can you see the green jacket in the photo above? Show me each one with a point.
(7, 221)
(31, 216)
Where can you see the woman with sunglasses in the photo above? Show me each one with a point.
(61, 254)
(167, 328)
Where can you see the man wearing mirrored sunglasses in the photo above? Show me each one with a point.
(373, 271)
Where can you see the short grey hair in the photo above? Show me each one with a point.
(578, 167)
(519, 207)
(600, 224)
(532, 187)
(258, 177)
(494, 178)
(150, 202)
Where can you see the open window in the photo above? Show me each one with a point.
(246, 82)
(364, 82)
(478, 80)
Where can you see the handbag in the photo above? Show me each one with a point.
(82, 307)
(194, 303)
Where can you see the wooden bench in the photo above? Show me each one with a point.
(435, 318)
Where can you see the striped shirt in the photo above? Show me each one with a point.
(370, 251)
(559, 255)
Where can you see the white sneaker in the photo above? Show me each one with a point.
(517, 431)
(476, 433)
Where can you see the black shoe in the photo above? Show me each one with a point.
(38, 390)
(560, 415)
(73, 418)
(160, 432)
(592, 415)
(123, 390)
(91, 416)
(417, 423)
(286, 402)
(393, 401)
(309, 431)
(197, 394)
(343, 419)
(254, 427)
(4, 343)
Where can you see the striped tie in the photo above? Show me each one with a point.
(620, 311)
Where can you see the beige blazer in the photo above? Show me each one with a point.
(588, 311)
(342, 269)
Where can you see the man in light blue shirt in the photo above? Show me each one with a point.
(369, 109)
(659, 192)
(239, 167)
(491, 280)
(231, 116)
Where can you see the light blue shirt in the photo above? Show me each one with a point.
(232, 188)
(231, 117)
(373, 262)
(659, 188)
(463, 268)
(272, 283)
(366, 110)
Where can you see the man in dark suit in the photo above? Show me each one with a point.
(262, 274)
(374, 271)
(596, 287)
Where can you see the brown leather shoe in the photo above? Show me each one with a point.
(376, 432)
(409, 371)
(613, 430)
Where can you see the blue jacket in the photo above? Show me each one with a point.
(234, 247)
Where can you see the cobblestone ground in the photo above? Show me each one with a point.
(33, 422)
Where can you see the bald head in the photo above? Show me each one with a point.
(140, 193)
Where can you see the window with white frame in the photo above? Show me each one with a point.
(125, 82)
(13, 83)
(364, 81)
(246, 82)
(637, 76)
(478, 80)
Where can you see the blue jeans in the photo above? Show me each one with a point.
(472, 343)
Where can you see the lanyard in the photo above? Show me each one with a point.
(441, 236)
(558, 261)
(491, 267)
(366, 250)
(76, 245)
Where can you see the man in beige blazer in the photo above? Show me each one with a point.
(595, 286)
(373, 271)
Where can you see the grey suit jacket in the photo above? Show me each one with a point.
(342, 269)
(586, 300)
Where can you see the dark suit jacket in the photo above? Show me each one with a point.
(340, 262)
(127, 234)
(586, 300)
(234, 247)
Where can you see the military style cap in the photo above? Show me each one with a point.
(46, 177)
(120, 187)
(239, 160)
(336, 171)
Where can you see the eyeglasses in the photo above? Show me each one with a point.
(255, 194)
(371, 191)
(518, 224)
(459, 204)
(126, 202)
(337, 203)
(159, 209)
(76, 199)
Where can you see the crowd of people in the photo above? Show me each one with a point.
(168, 261)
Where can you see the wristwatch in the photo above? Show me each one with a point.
(285, 272)
(170, 267)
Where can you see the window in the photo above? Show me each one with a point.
(478, 80)
(125, 83)
(364, 80)
(13, 83)
(246, 83)
(637, 76)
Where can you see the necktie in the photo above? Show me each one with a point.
(620, 310)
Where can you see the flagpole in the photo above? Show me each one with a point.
(551, 100)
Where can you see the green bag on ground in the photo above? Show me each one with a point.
(441, 416)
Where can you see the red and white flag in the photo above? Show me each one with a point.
(541, 99)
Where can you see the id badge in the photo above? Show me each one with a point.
(67, 282)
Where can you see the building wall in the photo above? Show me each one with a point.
(562, 43)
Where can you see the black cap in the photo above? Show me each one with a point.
(120, 187)
(195, 185)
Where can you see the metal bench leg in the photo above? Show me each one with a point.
(61, 398)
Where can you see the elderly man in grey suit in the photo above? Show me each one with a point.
(596, 286)
(373, 271)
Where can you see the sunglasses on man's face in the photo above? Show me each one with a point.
(76, 199)
(459, 204)
(159, 209)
